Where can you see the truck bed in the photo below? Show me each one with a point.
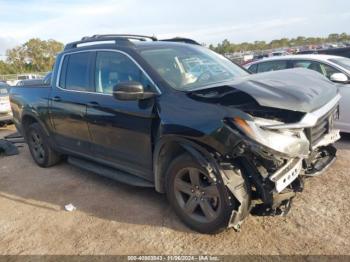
(34, 99)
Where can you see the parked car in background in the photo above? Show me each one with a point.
(30, 82)
(342, 51)
(279, 53)
(5, 107)
(22, 77)
(335, 68)
(28, 76)
(185, 120)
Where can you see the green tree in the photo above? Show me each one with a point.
(333, 37)
(227, 47)
(15, 58)
(5, 68)
(34, 55)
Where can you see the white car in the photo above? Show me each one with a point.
(5, 107)
(335, 68)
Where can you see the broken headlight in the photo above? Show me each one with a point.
(292, 142)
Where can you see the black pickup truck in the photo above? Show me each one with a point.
(174, 115)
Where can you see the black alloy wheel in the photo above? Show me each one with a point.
(36, 144)
(196, 197)
(39, 146)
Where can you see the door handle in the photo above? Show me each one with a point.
(56, 99)
(93, 103)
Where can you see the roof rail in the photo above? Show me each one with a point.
(127, 36)
(181, 40)
(124, 38)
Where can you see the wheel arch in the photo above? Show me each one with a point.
(29, 118)
(168, 149)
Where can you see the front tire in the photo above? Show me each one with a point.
(198, 201)
(39, 147)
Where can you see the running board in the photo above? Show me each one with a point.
(112, 173)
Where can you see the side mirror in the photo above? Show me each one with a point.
(131, 91)
(339, 78)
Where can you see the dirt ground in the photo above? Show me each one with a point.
(112, 218)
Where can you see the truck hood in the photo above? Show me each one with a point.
(301, 90)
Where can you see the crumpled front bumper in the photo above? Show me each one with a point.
(273, 192)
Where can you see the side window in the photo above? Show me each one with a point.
(47, 79)
(113, 68)
(327, 70)
(253, 68)
(312, 65)
(272, 66)
(301, 63)
(62, 82)
(76, 68)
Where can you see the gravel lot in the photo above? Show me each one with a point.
(112, 218)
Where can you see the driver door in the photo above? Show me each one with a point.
(121, 130)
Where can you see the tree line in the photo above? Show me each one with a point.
(38, 55)
(33, 56)
(227, 47)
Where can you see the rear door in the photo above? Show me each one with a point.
(121, 130)
(68, 103)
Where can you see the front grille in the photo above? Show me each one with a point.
(323, 126)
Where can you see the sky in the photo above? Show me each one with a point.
(207, 21)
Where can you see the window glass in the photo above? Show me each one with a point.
(47, 79)
(301, 63)
(77, 76)
(312, 65)
(22, 77)
(113, 68)
(328, 70)
(342, 61)
(62, 82)
(272, 66)
(253, 68)
(190, 67)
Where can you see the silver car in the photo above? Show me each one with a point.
(335, 68)
(5, 107)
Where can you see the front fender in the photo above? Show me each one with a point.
(177, 145)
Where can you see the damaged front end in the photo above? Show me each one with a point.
(275, 156)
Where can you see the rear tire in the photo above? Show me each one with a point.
(40, 149)
(196, 198)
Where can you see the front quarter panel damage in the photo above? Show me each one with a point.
(249, 170)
